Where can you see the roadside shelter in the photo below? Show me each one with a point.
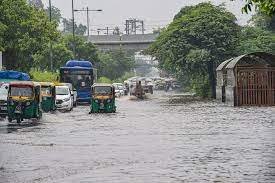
(247, 80)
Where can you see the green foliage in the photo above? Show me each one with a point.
(255, 39)
(56, 14)
(263, 21)
(68, 27)
(27, 31)
(60, 56)
(124, 77)
(199, 37)
(84, 50)
(265, 6)
(40, 76)
(2, 31)
(104, 80)
(114, 64)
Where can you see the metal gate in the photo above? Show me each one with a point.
(255, 86)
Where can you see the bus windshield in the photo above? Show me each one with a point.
(77, 79)
(21, 91)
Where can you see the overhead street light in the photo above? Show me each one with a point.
(51, 47)
(88, 20)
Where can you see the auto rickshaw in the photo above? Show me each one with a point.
(103, 98)
(24, 101)
(48, 96)
(139, 91)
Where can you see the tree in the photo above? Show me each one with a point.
(83, 50)
(265, 6)
(56, 14)
(114, 64)
(68, 27)
(2, 31)
(199, 38)
(255, 39)
(60, 56)
(263, 21)
(27, 31)
(36, 3)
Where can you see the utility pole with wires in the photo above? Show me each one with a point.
(87, 10)
(51, 46)
(73, 29)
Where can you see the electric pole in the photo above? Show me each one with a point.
(73, 29)
(51, 52)
(88, 18)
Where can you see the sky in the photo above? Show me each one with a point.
(155, 13)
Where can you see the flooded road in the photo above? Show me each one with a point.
(145, 141)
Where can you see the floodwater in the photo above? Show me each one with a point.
(148, 141)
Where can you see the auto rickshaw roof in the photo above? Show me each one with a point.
(102, 84)
(22, 83)
(46, 84)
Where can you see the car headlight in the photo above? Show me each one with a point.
(109, 100)
(28, 103)
(11, 102)
(96, 101)
(66, 99)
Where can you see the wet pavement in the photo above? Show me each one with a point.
(145, 141)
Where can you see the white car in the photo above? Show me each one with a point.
(119, 89)
(64, 98)
(73, 92)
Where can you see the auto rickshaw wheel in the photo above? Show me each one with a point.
(19, 120)
(9, 120)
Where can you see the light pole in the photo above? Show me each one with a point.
(88, 20)
(51, 52)
(73, 29)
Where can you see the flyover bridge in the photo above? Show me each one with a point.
(125, 42)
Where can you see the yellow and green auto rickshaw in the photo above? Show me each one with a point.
(24, 101)
(103, 98)
(48, 96)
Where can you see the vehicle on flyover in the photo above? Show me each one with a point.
(103, 98)
(81, 75)
(24, 101)
(5, 78)
(48, 96)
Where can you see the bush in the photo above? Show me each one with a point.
(124, 77)
(43, 76)
(104, 80)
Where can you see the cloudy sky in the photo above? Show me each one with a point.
(155, 13)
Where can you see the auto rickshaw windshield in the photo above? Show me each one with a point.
(104, 90)
(25, 91)
(46, 90)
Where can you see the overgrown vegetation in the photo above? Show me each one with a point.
(43, 76)
(201, 37)
(26, 34)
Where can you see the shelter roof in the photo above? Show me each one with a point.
(267, 58)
